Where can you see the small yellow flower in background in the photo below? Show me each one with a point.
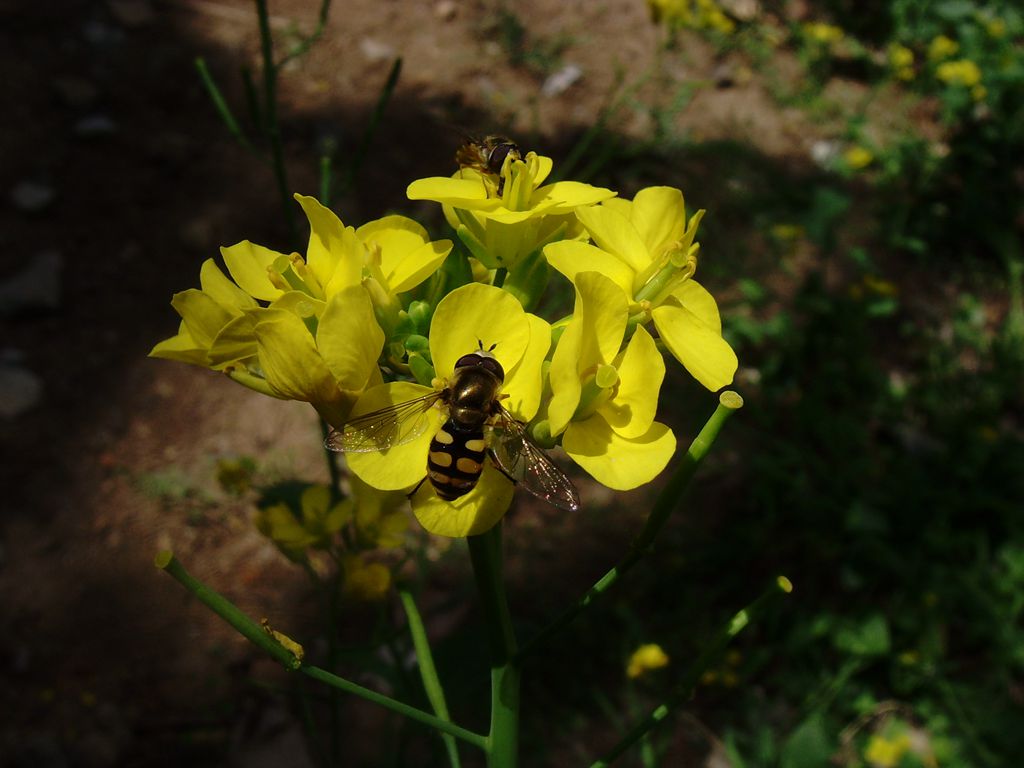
(646, 247)
(502, 230)
(858, 157)
(979, 92)
(941, 48)
(883, 752)
(995, 27)
(365, 581)
(471, 315)
(960, 72)
(311, 527)
(901, 62)
(691, 14)
(645, 659)
(825, 34)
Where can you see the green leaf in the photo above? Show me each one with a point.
(809, 746)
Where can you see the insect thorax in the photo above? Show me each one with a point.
(473, 394)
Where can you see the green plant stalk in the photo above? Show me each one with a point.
(428, 672)
(273, 129)
(711, 654)
(503, 739)
(371, 127)
(259, 637)
(729, 402)
(220, 104)
(331, 457)
(307, 42)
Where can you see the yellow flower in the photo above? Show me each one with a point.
(979, 92)
(502, 230)
(995, 27)
(318, 336)
(644, 659)
(941, 48)
(647, 248)
(825, 34)
(901, 61)
(883, 752)
(960, 72)
(604, 400)
(311, 527)
(858, 157)
(380, 517)
(468, 316)
(365, 581)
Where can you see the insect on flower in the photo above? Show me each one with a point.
(488, 155)
(477, 426)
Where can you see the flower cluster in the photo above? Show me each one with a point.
(691, 14)
(375, 316)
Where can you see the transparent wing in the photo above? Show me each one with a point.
(385, 428)
(528, 465)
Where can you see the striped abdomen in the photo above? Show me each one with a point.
(456, 460)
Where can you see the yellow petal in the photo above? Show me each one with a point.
(468, 193)
(236, 341)
(290, 361)
(615, 461)
(564, 377)
(349, 339)
(563, 196)
(416, 266)
(394, 234)
(641, 371)
(468, 515)
(696, 298)
(659, 215)
(614, 233)
(403, 465)
(181, 347)
(216, 285)
(604, 310)
(203, 316)
(571, 257)
(523, 384)
(477, 313)
(248, 264)
(700, 348)
(330, 245)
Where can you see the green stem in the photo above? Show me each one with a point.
(272, 126)
(371, 127)
(259, 637)
(668, 500)
(428, 672)
(220, 104)
(684, 690)
(332, 462)
(503, 740)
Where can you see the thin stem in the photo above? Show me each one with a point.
(428, 672)
(220, 104)
(272, 126)
(667, 501)
(503, 740)
(332, 462)
(711, 654)
(362, 151)
(259, 637)
(306, 43)
(227, 610)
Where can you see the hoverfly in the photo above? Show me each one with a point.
(488, 155)
(477, 426)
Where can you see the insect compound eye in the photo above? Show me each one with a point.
(492, 365)
(467, 361)
(496, 158)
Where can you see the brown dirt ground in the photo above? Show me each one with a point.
(104, 660)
